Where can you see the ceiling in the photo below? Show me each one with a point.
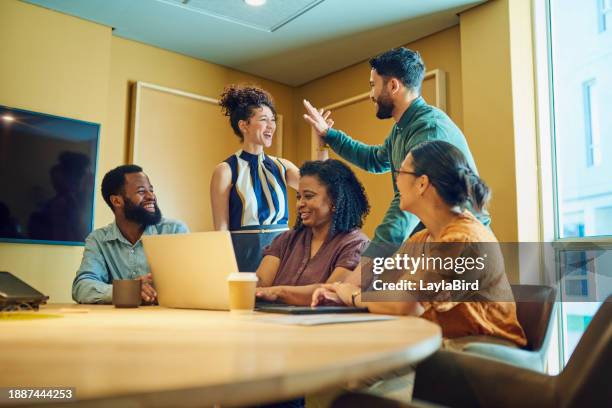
(289, 41)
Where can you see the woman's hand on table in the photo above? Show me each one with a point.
(334, 294)
(270, 293)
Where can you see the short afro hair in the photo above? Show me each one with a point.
(113, 182)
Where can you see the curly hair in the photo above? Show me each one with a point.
(345, 191)
(239, 101)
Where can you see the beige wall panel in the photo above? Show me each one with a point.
(180, 142)
(428, 91)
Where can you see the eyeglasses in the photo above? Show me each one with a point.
(396, 173)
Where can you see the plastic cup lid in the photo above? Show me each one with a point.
(243, 277)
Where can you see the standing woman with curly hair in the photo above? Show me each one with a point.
(249, 189)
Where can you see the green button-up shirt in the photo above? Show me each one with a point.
(419, 123)
(109, 255)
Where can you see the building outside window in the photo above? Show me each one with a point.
(591, 123)
(604, 14)
(575, 64)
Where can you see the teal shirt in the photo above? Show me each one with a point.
(108, 255)
(419, 123)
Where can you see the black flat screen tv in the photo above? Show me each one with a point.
(47, 177)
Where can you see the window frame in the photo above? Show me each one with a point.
(551, 228)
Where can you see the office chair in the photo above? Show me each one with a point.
(535, 308)
(466, 380)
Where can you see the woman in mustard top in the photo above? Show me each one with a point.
(435, 183)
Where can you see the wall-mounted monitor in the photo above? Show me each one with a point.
(47, 177)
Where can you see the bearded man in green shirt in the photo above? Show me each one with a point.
(395, 85)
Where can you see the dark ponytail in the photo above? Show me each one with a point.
(477, 191)
(449, 172)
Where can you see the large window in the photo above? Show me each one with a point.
(576, 59)
(582, 100)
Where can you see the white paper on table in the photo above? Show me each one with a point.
(331, 318)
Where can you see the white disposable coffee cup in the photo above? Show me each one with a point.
(242, 288)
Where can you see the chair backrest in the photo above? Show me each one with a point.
(534, 309)
(585, 381)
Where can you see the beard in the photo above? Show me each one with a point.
(385, 106)
(139, 215)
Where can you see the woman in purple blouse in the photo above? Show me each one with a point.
(326, 242)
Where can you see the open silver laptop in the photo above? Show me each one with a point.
(190, 270)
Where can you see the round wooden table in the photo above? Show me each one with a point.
(157, 357)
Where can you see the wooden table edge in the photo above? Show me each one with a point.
(270, 389)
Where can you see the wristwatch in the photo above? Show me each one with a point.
(354, 295)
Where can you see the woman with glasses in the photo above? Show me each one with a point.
(435, 183)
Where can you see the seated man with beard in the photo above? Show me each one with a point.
(115, 251)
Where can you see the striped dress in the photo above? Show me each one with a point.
(258, 209)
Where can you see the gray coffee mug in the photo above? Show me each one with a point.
(126, 292)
